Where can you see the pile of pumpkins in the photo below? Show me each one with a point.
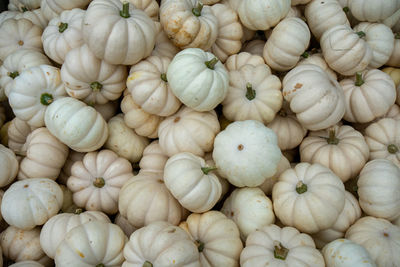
(200, 133)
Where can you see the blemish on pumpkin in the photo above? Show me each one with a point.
(26, 186)
(298, 85)
(172, 231)
(21, 43)
(160, 181)
(232, 213)
(240, 147)
(133, 76)
(80, 254)
(386, 234)
(177, 119)
(48, 73)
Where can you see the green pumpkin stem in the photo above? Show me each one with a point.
(46, 99)
(125, 10)
(359, 79)
(361, 34)
(24, 9)
(62, 27)
(78, 211)
(305, 54)
(397, 35)
(147, 264)
(211, 63)
(250, 94)
(99, 182)
(13, 74)
(206, 170)
(346, 9)
(96, 86)
(392, 149)
(200, 245)
(100, 265)
(197, 10)
(164, 77)
(301, 188)
(332, 140)
(280, 252)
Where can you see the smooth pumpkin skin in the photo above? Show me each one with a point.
(17, 132)
(27, 264)
(35, 16)
(150, 7)
(53, 8)
(395, 56)
(317, 59)
(373, 11)
(216, 236)
(378, 184)
(379, 237)
(394, 73)
(8, 165)
(343, 252)
(153, 160)
(235, 62)
(260, 247)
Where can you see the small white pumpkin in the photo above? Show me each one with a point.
(163, 46)
(246, 153)
(35, 16)
(18, 130)
(394, 60)
(22, 5)
(317, 59)
(373, 11)
(36, 199)
(53, 8)
(27, 264)
(150, 7)
(153, 160)
(8, 166)
(235, 62)
(198, 79)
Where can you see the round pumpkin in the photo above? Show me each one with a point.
(8, 166)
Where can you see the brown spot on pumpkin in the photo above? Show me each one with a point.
(48, 73)
(298, 85)
(26, 186)
(232, 213)
(177, 119)
(172, 231)
(80, 254)
(240, 147)
(20, 42)
(160, 181)
(386, 234)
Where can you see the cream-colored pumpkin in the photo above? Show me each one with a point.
(90, 79)
(394, 60)
(65, 172)
(309, 197)
(275, 246)
(75, 124)
(8, 166)
(345, 253)
(324, 14)
(315, 98)
(189, 23)
(35, 16)
(368, 95)
(188, 131)
(350, 213)
(144, 124)
(235, 62)
(147, 82)
(21, 245)
(253, 94)
(378, 187)
(15, 63)
(340, 148)
(125, 141)
(217, 238)
(250, 209)
(269, 183)
(45, 156)
(27, 264)
(63, 34)
(246, 153)
(17, 132)
(262, 14)
(53, 8)
(383, 139)
(373, 11)
(19, 34)
(153, 160)
(230, 32)
(198, 79)
(125, 226)
(8, 14)
(277, 54)
(344, 50)
(287, 128)
(379, 237)
(380, 39)
(54, 230)
(163, 46)
(108, 29)
(150, 7)
(33, 91)
(22, 5)
(201, 188)
(394, 73)
(145, 199)
(161, 244)
(96, 180)
(255, 47)
(317, 59)
(36, 199)
(94, 243)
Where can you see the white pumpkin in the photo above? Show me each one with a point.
(235, 62)
(153, 160)
(394, 60)
(22, 5)
(373, 11)
(317, 59)
(246, 153)
(324, 105)
(150, 7)
(198, 79)
(36, 199)
(65, 173)
(161, 244)
(275, 246)
(147, 82)
(18, 130)
(53, 8)
(63, 34)
(27, 264)
(163, 46)
(35, 16)
(94, 243)
(33, 91)
(107, 29)
(309, 197)
(8, 166)
(277, 54)
(8, 14)
(255, 47)
(90, 79)
(345, 253)
(75, 124)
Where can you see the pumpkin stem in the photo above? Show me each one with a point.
(361, 34)
(280, 252)
(96, 86)
(147, 264)
(197, 10)
(99, 182)
(392, 148)
(359, 79)
(250, 94)
(164, 77)
(282, 113)
(200, 245)
(346, 9)
(62, 27)
(46, 99)
(211, 63)
(125, 10)
(305, 54)
(206, 170)
(100, 265)
(332, 140)
(13, 74)
(78, 211)
(397, 35)
(24, 9)
(301, 188)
